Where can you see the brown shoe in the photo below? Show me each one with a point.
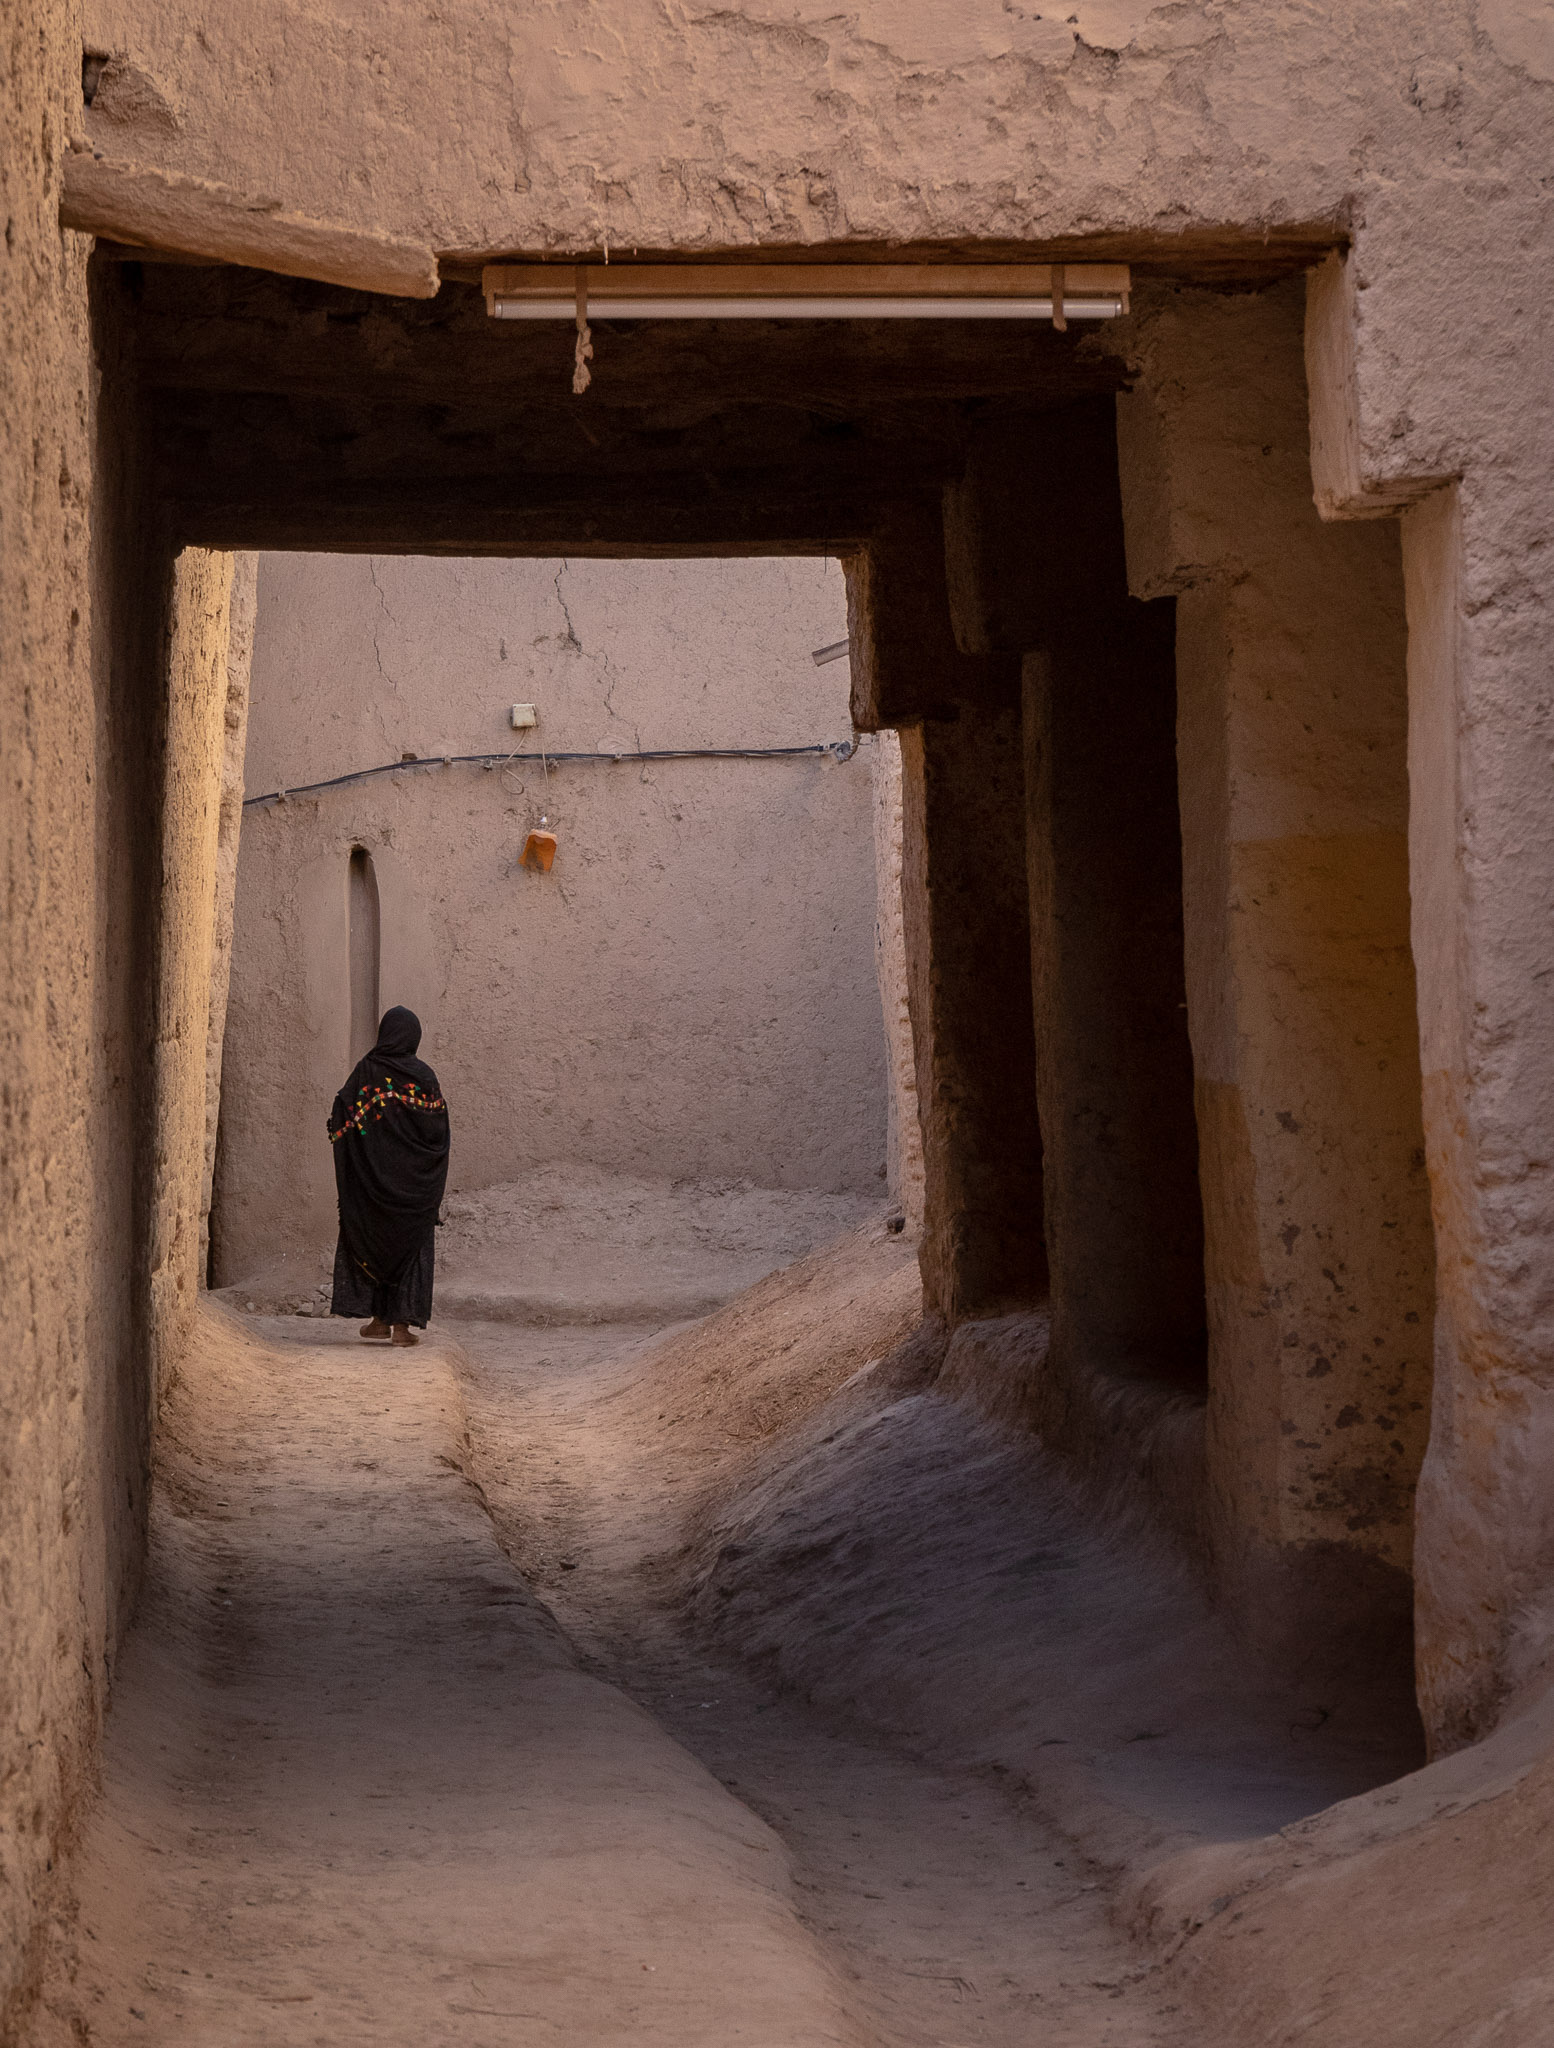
(375, 1329)
(403, 1334)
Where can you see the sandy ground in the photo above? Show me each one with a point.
(876, 1578)
(359, 1785)
(953, 1910)
(724, 1683)
(572, 1243)
(818, 1512)
(357, 1788)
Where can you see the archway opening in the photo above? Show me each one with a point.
(364, 914)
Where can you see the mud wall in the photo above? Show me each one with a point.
(83, 665)
(52, 1582)
(794, 122)
(690, 992)
(104, 968)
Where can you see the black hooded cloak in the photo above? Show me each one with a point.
(389, 1130)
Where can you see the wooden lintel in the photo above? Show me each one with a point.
(195, 217)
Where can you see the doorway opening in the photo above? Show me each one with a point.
(673, 1036)
(364, 915)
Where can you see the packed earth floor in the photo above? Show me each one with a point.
(602, 1682)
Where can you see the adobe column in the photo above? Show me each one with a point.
(1036, 562)
(1466, 460)
(967, 933)
(1292, 724)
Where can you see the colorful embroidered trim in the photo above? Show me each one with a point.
(370, 1102)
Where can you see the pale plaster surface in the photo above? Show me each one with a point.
(439, 1813)
(199, 750)
(903, 1131)
(690, 993)
(1291, 741)
(241, 606)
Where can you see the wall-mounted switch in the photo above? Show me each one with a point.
(524, 715)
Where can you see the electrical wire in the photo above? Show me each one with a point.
(835, 750)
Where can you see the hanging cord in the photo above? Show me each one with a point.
(833, 750)
(583, 354)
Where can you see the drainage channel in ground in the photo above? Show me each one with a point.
(953, 1911)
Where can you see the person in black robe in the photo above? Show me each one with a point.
(389, 1130)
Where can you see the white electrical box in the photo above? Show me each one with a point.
(523, 716)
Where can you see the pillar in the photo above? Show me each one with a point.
(242, 608)
(1465, 459)
(1300, 986)
(199, 687)
(964, 920)
(1034, 542)
(904, 1134)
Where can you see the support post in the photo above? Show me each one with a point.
(1034, 544)
(965, 920)
(1291, 683)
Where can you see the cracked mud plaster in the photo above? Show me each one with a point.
(786, 121)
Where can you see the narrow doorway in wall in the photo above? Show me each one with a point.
(366, 940)
(665, 1053)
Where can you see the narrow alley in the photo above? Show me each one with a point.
(427, 1731)
(361, 1787)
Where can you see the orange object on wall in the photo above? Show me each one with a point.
(539, 851)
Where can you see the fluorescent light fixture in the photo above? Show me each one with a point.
(806, 309)
(806, 291)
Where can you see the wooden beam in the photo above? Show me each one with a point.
(161, 210)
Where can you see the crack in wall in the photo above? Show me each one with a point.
(571, 643)
(569, 639)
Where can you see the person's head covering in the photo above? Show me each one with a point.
(399, 1034)
(389, 1130)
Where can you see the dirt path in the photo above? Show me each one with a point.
(955, 1913)
(356, 1788)
(366, 1782)
(360, 1788)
